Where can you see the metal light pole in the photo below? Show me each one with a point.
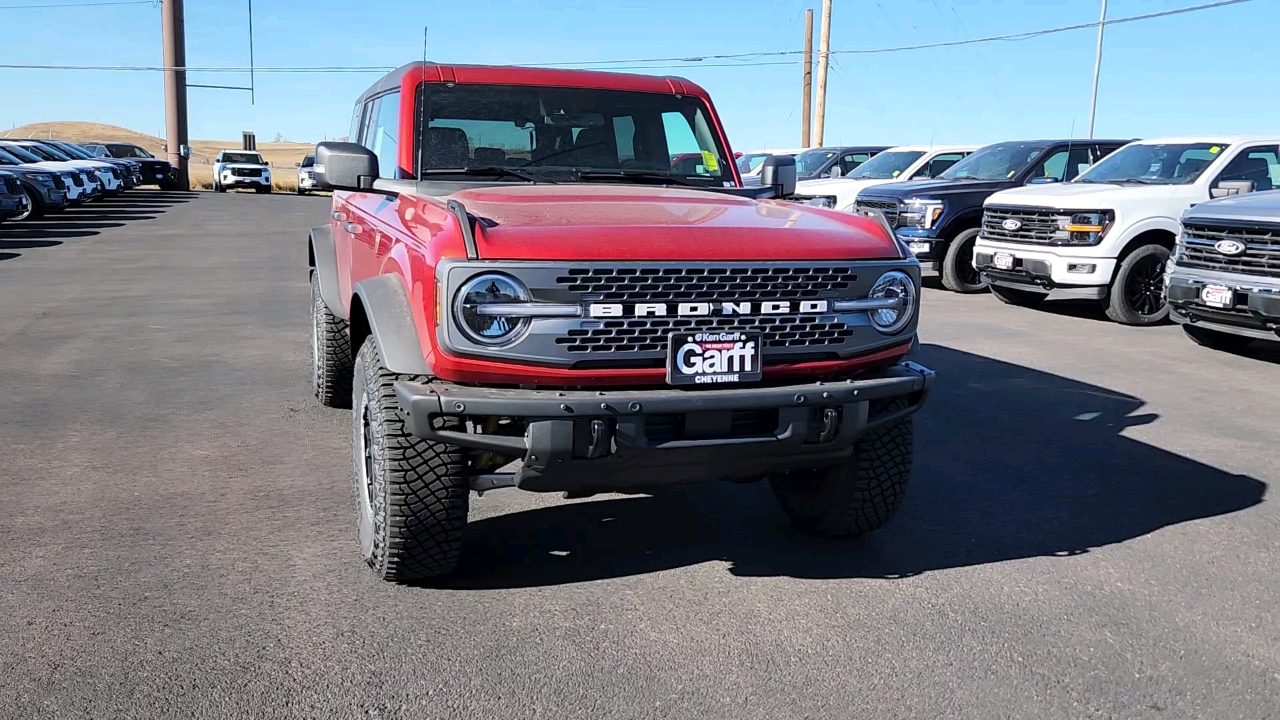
(1097, 69)
(175, 89)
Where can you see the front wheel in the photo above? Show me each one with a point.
(859, 496)
(34, 209)
(1226, 342)
(266, 189)
(958, 273)
(1136, 296)
(219, 187)
(411, 493)
(1014, 296)
(330, 352)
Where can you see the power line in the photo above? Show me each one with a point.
(43, 6)
(738, 59)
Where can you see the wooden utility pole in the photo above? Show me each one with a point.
(175, 88)
(824, 50)
(807, 107)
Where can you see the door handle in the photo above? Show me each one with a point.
(353, 228)
(339, 216)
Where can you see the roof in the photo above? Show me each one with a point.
(847, 148)
(549, 77)
(1225, 139)
(933, 148)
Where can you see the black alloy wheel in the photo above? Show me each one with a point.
(1144, 290)
(1137, 292)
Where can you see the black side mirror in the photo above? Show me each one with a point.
(345, 166)
(1227, 188)
(779, 173)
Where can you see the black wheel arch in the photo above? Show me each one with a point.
(380, 309)
(1163, 238)
(322, 259)
(964, 220)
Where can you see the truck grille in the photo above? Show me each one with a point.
(246, 172)
(11, 186)
(59, 183)
(888, 207)
(1038, 225)
(77, 179)
(650, 334)
(1261, 256)
(636, 284)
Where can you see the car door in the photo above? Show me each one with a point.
(373, 215)
(1259, 164)
(346, 217)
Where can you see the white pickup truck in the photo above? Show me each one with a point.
(900, 164)
(1108, 234)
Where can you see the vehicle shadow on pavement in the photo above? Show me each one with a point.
(86, 220)
(1011, 463)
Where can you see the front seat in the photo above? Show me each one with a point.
(447, 148)
(593, 148)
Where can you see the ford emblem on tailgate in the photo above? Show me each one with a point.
(1011, 224)
(1229, 247)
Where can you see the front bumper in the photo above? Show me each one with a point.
(600, 441)
(308, 182)
(1255, 312)
(229, 180)
(1039, 269)
(11, 205)
(52, 198)
(921, 244)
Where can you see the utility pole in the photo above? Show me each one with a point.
(175, 88)
(1097, 69)
(805, 119)
(824, 50)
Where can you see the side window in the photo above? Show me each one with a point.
(938, 165)
(851, 161)
(353, 134)
(1259, 164)
(1054, 166)
(385, 138)
(1078, 160)
(366, 122)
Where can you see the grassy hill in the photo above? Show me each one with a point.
(281, 156)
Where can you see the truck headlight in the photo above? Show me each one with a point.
(1087, 228)
(478, 308)
(893, 285)
(41, 178)
(823, 201)
(920, 213)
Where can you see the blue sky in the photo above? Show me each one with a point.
(1206, 72)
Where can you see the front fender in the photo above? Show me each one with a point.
(324, 261)
(388, 318)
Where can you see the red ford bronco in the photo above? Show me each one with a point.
(563, 268)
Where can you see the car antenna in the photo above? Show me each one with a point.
(422, 103)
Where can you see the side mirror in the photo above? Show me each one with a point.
(1227, 188)
(1043, 180)
(835, 172)
(345, 166)
(297, 164)
(779, 172)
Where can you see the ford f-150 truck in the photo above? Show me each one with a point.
(515, 271)
(1223, 281)
(1107, 235)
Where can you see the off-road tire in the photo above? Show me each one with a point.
(859, 496)
(331, 360)
(1142, 270)
(958, 273)
(411, 493)
(1014, 296)
(1226, 342)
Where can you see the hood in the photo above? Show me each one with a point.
(59, 166)
(630, 222)
(1262, 207)
(939, 188)
(1087, 196)
(247, 166)
(838, 186)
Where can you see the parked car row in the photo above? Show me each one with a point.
(1131, 225)
(40, 177)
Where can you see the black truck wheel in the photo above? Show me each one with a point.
(958, 273)
(1014, 296)
(1137, 292)
(859, 496)
(411, 493)
(330, 352)
(1226, 342)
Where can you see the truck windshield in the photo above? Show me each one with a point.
(811, 161)
(309, 161)
(74, 151)
(242, 157)
(22, 154)
(127, 151)
(995, 162)
(558, 133)
(886, 165)
(1143, 164)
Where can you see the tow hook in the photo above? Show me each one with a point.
(830, 424)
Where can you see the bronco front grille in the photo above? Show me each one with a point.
(1261, 255)
(1034, 225)
(650, 334)
(888, 207)
(635, 284)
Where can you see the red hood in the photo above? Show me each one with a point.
(629, 222)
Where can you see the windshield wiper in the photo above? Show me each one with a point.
(643, 176)
(488, 171)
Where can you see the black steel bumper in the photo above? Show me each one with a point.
(597, 441)
(1256, 312)
(1034, 276)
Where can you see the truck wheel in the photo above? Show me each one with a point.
(1014, 296)
(35, 209)
(1136, 296)
(859, 496)
(1226, 342)
(219, 187)
(265, 189)
(411, 493)
(958, 273)
(330, 352)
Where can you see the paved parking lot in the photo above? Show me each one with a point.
(1089, 533)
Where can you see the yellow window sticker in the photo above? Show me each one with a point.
(709, 160)
(1215, 149)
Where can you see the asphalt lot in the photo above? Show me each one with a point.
(1089, 533)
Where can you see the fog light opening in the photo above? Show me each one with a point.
(1081, 268)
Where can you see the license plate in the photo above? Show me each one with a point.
(1003, 261)
(714, 357)
(1218, 296)
(918, 247)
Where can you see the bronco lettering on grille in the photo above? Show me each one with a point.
(694, 309)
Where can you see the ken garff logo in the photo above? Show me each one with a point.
(1011, 224)
(1229, 247)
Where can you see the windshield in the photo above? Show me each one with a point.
(1139, 163)
(73, 151)
(37, 154)
(557, 133)
(7, 159)
(46, 152)
(995, 162)
(127, 151)
(886, 165)
(22, 154)
(811, 161)
(309, 161)
(242, 157)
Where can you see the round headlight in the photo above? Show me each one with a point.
(893, 284)
(477, 308)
